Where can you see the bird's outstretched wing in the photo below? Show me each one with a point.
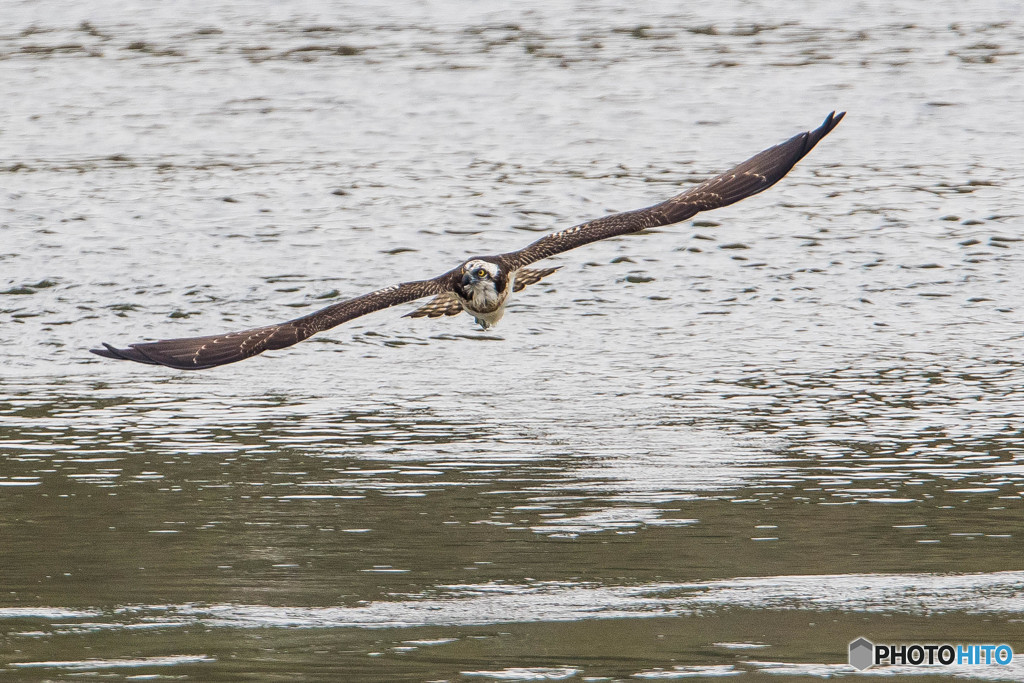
(197, 353)
(754, 175)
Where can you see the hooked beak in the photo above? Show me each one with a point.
(468, 279)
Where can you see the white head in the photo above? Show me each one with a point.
(476, 270)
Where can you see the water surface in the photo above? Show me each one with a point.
(723, 448)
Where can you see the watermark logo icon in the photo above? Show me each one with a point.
(862, 654)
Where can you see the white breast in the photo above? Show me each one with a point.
(483, 297)
(485, 302)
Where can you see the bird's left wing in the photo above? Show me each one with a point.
(197, 353)
(754, 175)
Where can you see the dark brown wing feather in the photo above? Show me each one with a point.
(197, 353)
(442, 304)
(531, 276)
(752, 176)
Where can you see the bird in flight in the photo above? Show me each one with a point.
(482, 285)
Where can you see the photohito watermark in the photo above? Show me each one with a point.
(864, 654)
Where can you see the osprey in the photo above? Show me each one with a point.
(482, 285)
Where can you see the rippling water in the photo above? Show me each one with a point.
(724, 448)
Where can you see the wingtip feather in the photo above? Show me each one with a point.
(131, 353)
(106, 353)
(828, 125)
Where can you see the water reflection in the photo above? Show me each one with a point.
(498, 602)
(556, 601)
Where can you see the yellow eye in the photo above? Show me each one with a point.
(481, 273)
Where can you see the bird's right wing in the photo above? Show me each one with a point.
(197, 353)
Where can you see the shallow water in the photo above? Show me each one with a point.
(724, 448)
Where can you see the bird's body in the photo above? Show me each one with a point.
(483, 291)
(482, 286)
